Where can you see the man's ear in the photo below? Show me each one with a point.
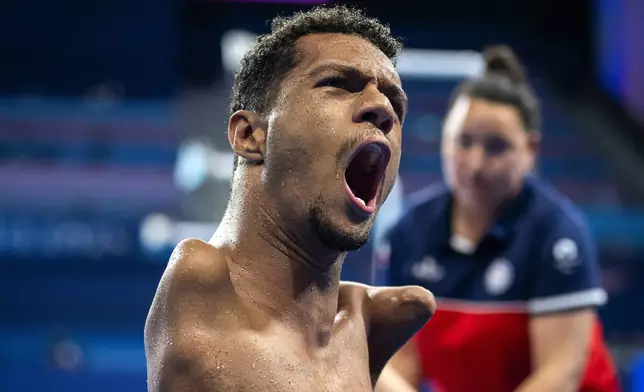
(247, 135)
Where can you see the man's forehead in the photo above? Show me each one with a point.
(352, 51)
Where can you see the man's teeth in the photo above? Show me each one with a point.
(361, 201)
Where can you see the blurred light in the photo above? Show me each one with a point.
(200, 230)
(191, 169)
(221, 165)
(159, 232)
(426, 63)
(197, 162)
(68, 355)
(156, 232)
(234, 44)
(416, 63)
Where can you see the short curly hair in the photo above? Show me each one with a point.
(274, 54)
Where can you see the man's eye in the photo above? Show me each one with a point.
(399, 109)
(337, 82)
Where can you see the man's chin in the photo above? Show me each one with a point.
(341, 236)
(353, 244)
(343, 241)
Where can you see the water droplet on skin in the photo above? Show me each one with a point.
(282, 184)
(337, 176)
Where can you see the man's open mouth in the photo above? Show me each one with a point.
(364, 174)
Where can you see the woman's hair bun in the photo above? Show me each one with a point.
(501, 60)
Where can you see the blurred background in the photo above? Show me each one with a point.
(113, 148)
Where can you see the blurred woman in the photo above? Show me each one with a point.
(509, 259)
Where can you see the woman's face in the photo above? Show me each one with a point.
(486, 151)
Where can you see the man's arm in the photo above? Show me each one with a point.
(396, 314)
(181, 349)
(403, 372)
(560, 345)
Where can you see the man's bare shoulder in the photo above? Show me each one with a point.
(196, 261)
(195, 278)
(190, 314)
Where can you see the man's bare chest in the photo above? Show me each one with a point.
(278, 375)
(281, 366)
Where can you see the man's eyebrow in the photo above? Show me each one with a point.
(389, 89)
(337, 67)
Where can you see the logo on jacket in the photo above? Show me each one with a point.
(499, 276)
(428, 270)
(566, 255)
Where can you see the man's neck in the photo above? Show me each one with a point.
(286, 273)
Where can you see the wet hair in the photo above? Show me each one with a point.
(504, 81)
(275, 54)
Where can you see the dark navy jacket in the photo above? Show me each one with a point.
(537, 258)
